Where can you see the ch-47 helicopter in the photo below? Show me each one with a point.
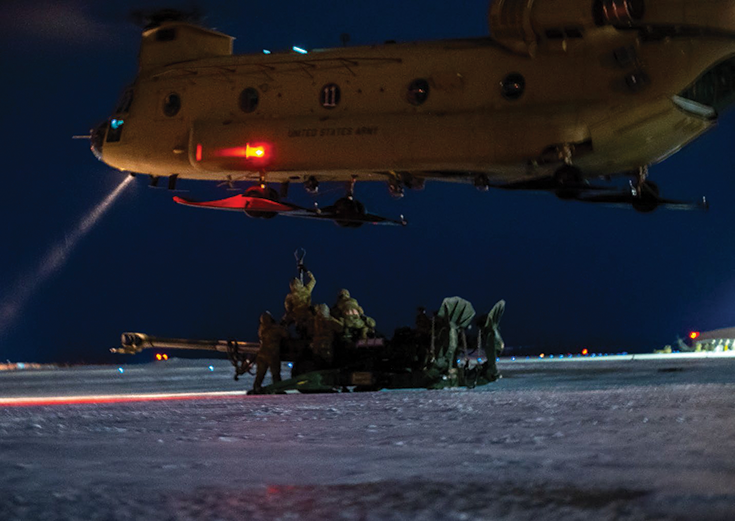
(564, 92)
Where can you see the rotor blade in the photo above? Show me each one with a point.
(241, 202)
(625, 198)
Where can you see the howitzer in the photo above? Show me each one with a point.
(241, 354)
(432, 358)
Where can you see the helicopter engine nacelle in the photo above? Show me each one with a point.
(520, 25)
(175, 42)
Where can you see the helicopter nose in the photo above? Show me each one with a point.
(97, 139)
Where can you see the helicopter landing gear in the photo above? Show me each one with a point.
(311, 185)
(645, 193)
(395, 187)
(348, 212)
(481, 182)
(262, 191)
(569, 178)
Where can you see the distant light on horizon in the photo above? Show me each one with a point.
(300, 50)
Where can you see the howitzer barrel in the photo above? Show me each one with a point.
(132, 343)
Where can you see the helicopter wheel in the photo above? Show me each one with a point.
(647, 199)
(569, 178)
(262, 192)
(348, 209)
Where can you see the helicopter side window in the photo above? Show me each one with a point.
(123, 106)
(172, 105)
(513, 86)
(418, 92)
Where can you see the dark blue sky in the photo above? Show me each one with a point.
(574, 275)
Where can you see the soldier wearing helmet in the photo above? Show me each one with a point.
(325, 328)
(271, 335)
(357, 326)
(298, 305)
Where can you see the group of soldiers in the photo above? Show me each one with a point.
(317, 326)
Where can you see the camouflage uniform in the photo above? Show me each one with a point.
(494, 343)
(325, 327)
(356, 324)
(298, 305)
(269, 356)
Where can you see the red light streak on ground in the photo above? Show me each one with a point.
(41, 401)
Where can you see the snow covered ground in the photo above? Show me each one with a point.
(610, 439)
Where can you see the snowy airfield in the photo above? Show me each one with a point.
(576, 439)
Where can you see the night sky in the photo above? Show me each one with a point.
(573, 275)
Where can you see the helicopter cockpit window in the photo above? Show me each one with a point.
(249, 99)
(114, 132)
(172, 104)
(418, 92)
(123, 106)
(513, 86)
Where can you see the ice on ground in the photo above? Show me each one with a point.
(610, 440)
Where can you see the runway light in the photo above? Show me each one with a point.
(694, 334)
(120, 370)
(290, 364)
(585, 352)
(211, 368)
(541, 355)
(266, 51)
(165, 356)
(513, 358)
(299, 50)
(158, 356)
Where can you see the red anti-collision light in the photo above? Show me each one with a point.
(694, 334)
(255, 152)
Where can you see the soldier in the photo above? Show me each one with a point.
(423, 322)
(269, 356)
(356, 324)
(298, 305)
(422, 337)
(325, 327)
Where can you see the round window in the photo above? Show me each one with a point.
(418, 92)
(249, 99)
(513, 86)
(330, 96)
(172, 104)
